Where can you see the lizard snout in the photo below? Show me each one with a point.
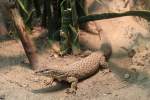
(42, 72)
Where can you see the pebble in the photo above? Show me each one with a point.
(126, 76)
(56, 55)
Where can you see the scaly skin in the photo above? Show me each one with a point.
(76, 71)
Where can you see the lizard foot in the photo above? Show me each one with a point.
(50, 82)
(73, 82)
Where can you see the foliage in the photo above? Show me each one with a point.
(62, 18)
(58, 16)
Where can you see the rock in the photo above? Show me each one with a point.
(126, 76)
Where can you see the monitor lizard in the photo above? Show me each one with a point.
(77, 71)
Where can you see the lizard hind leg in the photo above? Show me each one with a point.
(73, 88)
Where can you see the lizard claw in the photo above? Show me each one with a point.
(71, 91)
(48, 83)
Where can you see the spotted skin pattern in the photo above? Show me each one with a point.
(76, 71)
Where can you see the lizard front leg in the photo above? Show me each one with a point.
(73, 88)
(50, 82)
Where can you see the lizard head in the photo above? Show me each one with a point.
(44, 72)
(50, 73)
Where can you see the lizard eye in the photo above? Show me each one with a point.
(45, 71)
(42, 71)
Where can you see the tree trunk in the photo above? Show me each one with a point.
(27, 43)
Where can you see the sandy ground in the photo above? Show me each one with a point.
(129, 78)
(19, 83)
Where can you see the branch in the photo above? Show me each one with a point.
(143, 13)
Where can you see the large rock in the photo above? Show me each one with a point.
(119, 33)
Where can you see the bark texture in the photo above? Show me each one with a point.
(27, 43)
